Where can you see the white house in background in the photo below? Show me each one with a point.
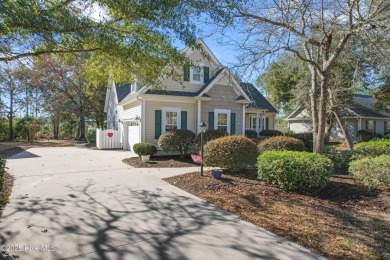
(361, 115)
(210, 94)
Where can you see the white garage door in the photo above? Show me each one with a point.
(133, 134)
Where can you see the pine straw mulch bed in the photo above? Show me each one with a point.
(168, 161)
(338, 222)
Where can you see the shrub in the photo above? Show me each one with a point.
(270, 133)
(144, 149)
(27, 128)
(289, 132)
(231, 152)
(343, 158)
(280, 143)
(91, 136)
(180, 140)
(373, 148)
(386, 136)
(292, 170)
(209, 135)
(251, 134)
(306, 138)
(364, 136)
(2, 171)
(372, 173)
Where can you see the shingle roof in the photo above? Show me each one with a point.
(210, 80)
(260, 102)
(363, 105)
(171, 93)
(122, 90)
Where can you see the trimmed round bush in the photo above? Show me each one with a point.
(373, 148)
(364, 136)
(372, 173)
(292, 170)
(306, 138)
(144, 149)
(251, 134)
(270, 133)
(280, 143)
(209, 135)
(179, 140)
(231, 152)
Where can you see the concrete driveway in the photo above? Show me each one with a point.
(86, 204)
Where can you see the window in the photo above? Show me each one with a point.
(370, 125)
(222, 123)
(171, 119)
(222, 119)
(387, 127)
(197, 73)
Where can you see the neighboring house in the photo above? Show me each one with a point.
(361, 115)
(210, 94)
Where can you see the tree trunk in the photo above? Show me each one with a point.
(81, 130)
(313, 103)
(319, 145)
(11, 115)
(328, 129)
(345, 132)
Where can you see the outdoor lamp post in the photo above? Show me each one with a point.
(202, 130)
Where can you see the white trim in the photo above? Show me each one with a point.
(164, 115)
(201, 74)
(243, 120)
(199, 115)
(143, 117)
(225, 73)
(188, 50)
(167, 98)
(222, 111)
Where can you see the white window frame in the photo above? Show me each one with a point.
(222, 111)
(192, 69)
(373, 126)
(164, 117)
(387, 129)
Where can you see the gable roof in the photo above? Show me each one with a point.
(259, 101)
(189, 49)
(363, 105)
(210, 81)
(122, 90)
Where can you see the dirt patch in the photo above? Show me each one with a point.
(340, 221)
(171, 161)
(6, 192)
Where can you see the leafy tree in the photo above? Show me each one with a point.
(316, 32)
(382, 94)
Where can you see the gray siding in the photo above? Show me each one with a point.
(223, 97)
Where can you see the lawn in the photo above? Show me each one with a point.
(341, 221)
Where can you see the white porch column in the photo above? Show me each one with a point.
(143, 125)
(243, 119)
(261, 122)
(257, 123)
(199, 115)
(360, 124)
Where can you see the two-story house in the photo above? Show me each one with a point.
(210, 94)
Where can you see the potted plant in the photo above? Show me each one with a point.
(144, 150)
(217, 174)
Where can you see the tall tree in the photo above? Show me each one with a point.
(316, 32)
